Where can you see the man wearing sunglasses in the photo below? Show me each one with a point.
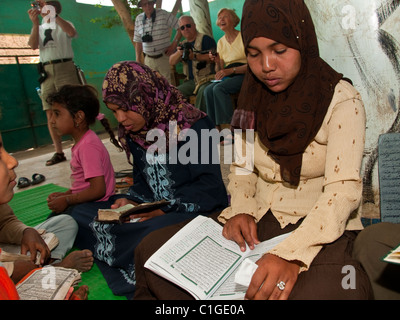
(197, 66)
(152, 37)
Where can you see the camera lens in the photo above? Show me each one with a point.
(187, 46)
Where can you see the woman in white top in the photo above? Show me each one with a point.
(231, 64)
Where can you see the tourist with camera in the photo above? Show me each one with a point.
(197, 66)
(152, 38)
(53, 37)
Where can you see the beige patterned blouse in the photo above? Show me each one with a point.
(330, 189)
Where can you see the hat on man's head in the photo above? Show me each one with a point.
(140, 3)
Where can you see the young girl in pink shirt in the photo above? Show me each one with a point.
(75, 108)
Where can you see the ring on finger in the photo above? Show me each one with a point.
(281, 285)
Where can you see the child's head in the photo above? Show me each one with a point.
(7, 174)
(78, 98)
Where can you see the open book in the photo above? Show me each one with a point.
(48, 283)
(12, 252)
(200, 260)
(393, 256)
(122, 214)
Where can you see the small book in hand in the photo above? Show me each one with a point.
(121, 214)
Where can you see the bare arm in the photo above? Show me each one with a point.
(139, 51)
(172, 48)
(95, 191)
(33, 41)
(66, 27)
(176, 57)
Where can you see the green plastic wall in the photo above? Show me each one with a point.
(22, 120)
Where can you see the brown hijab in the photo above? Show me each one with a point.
(287, 121)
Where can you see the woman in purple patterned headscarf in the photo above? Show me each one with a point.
(130, 86)
(144, 102)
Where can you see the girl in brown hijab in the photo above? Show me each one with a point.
(309, 140)
(309, 127)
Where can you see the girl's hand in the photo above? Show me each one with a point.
(54, 195)
(58, 204)
(242, 229)
(270, 272)
(121, 202)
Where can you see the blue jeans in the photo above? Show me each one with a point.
(187, 89)
(219, 101)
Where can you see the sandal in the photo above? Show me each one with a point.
(57, 158)
(23, 182)
(37, 178)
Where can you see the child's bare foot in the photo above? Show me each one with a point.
(80, 260)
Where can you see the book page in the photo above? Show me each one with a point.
(233, 291)
(199, 259)
(13, 251)
(182, 258)
(48, 283)
(393, 256)
(206, 273)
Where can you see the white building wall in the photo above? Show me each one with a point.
(361, 39)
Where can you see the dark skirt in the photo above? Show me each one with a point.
(324, 280)
(113, 245)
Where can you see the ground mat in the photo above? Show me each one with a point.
(30, 206)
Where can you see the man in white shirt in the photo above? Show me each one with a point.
(152, 37)
(53, 39)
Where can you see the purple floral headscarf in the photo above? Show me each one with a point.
(136, 87)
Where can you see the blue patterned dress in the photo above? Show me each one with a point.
(192, 189)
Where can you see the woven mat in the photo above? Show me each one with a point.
(30, 206)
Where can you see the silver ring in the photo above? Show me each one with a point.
(281, 285)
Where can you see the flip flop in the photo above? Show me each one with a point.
(23, 182)
(57, 158)
(37, 178)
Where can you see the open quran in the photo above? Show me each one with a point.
(200, 260)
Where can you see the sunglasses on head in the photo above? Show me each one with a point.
(185, 26)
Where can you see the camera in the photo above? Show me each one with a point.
(147, 37)
(186, 47)
(35, 5)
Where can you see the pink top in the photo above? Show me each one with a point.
(90, 159)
